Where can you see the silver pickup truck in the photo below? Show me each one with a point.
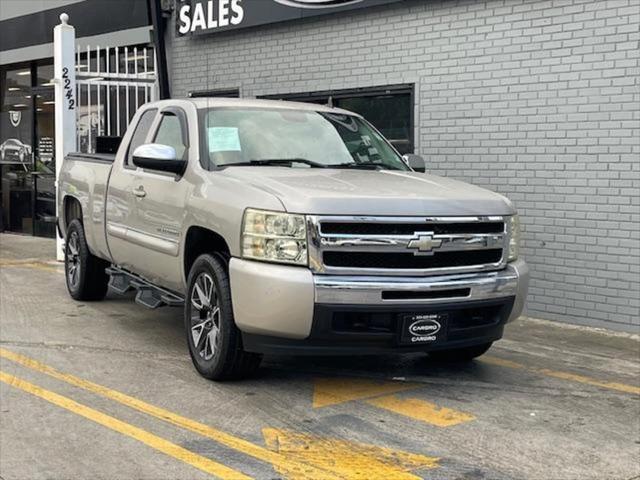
(289, 228)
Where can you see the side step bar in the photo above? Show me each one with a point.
(149, 295)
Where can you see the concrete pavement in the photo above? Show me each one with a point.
(107, 390)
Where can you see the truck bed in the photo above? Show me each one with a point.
(87, 175)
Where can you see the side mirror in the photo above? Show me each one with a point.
(416, 162)
(155, 156)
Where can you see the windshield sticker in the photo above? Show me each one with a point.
(223, 139)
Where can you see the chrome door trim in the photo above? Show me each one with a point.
(142, 239)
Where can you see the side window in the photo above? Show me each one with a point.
(140, 133)
(170, 133)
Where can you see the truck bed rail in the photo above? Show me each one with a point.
(92, 157)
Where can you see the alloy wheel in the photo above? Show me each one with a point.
(73, 260)
(205, 316)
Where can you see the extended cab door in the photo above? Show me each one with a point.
(122, 201)
(161, 205)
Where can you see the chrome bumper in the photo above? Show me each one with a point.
(513, 281)
(279, 300)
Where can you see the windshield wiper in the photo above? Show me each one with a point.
(280, 161)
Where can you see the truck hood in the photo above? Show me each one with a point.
(362, 192)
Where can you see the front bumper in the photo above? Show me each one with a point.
(288, 309)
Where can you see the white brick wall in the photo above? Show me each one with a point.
(538, 100)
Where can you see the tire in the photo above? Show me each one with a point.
(460, 354)
(84, 273)
(215, 343)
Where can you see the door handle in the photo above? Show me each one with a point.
(139, 192)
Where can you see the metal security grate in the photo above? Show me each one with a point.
(112, 83)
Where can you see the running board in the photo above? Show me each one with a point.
(148, 295)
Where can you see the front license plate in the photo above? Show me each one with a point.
(425, 329)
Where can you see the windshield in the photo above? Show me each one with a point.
(294, 138)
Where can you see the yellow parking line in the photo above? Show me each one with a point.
(149, 439)
(333, 391)
(39, 265)
(420, 410)
(344, 459)
(305, 471)
(621, 387)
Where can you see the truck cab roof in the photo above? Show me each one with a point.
(213, 102)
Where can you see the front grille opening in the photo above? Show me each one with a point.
(460, 321)
(377, 260)
(351, 228)
(418, 295)
(362, 322)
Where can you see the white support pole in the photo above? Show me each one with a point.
(64, 39)
(78, 91)
(98, 87)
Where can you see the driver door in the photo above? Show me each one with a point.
(161, 205)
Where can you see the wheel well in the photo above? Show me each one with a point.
(201, 240)
(72, 211)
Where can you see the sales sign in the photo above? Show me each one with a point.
(198, 17)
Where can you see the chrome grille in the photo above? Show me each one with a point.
(406, 245)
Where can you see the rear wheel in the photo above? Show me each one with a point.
(84, 272)
(461, 354)
(215, 343)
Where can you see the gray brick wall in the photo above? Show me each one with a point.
(538, 100)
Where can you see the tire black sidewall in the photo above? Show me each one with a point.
(214, 366)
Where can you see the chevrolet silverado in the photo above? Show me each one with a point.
(291, 228)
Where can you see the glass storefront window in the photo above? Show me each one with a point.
(16, 149)
(45, 131)
(391, 114)
(44, 75)
(44, 158)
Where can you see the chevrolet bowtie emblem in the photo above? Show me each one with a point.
(424, 244)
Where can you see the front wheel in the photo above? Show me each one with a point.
(461, 354)
(215, 343)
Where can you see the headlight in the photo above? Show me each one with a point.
(274, 237)
(514, 237)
